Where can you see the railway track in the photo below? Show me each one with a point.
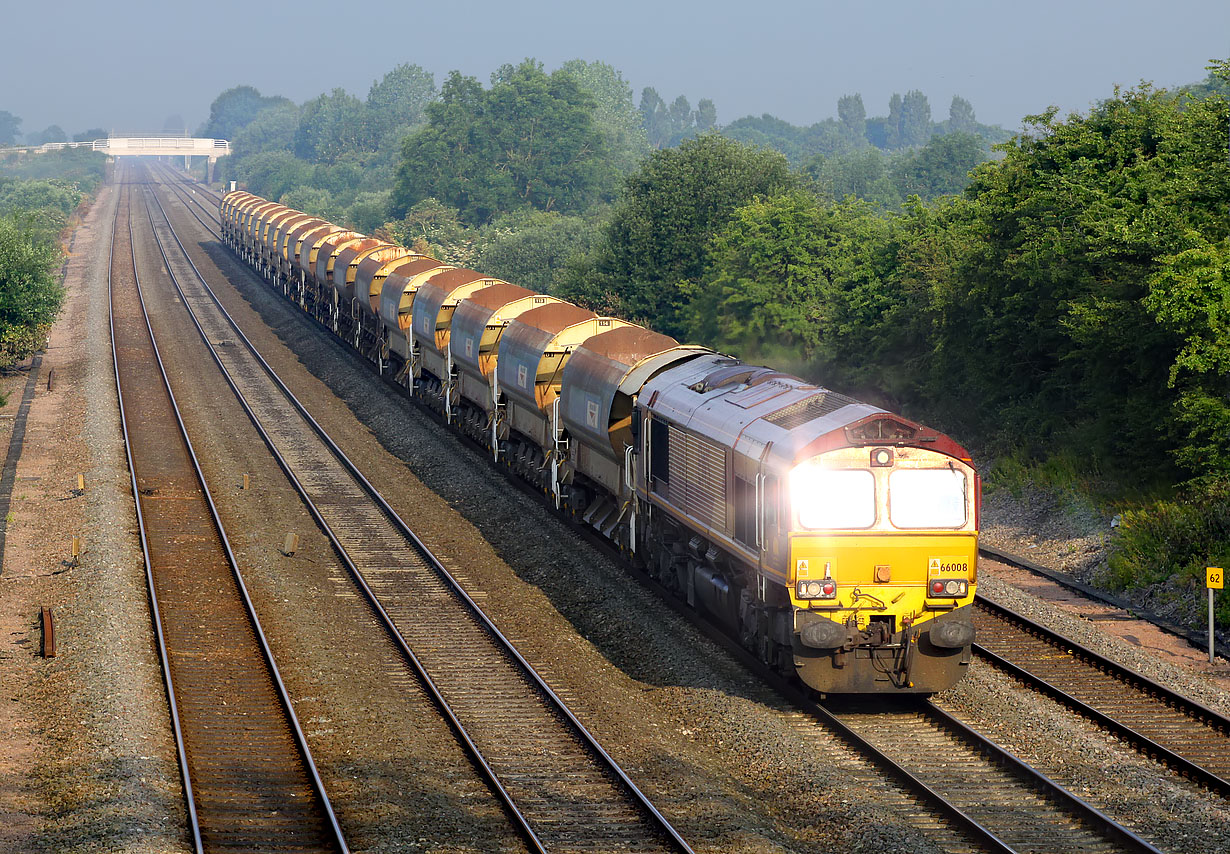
(1018, 806)
(561, 788)
(977, 793)
(1197, 639)
(1191, 738)
(248, 777)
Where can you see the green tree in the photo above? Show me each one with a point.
(853, 117)
(771, 132)
(681, 116)
(893, 137)
(1189, 294)
(705, 117)
(30, 291)
(961, 116)
(915, 125)
(234, 109)
(273, 129)
(530, 249)
(90, 135)
(800, 283)
(433, 228)
(331, 126)
(51, 133)
(614, 113)
(864, 174)
(397, 103)
(940, 167)
(369, 211)
(655, 118)
(1050, 315)
(528, 141)
(670, 208)
(271, 174)
(314, 201)
(42, 205)
(10, 128)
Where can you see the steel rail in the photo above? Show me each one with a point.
(1198, 639)
(958, 818)
(155, 614)
(1107, 826)
(267, 655)
(954, 813)
(438, 567)
(433, 690)
(1148, 691)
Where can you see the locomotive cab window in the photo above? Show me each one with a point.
(926, 498)
(833, 498)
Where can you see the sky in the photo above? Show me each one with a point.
(127, 66)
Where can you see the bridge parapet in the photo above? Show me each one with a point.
(143, 145)
(162, 145)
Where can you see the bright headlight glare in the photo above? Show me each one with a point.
(833, 498)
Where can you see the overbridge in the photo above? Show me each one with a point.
(138, 146)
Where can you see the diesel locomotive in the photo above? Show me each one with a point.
(837, 540)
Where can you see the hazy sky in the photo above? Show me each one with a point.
(130, 65)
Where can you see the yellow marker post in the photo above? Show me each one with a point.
(1214, 579)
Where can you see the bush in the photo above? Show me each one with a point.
(30, 291)
(1169, 543)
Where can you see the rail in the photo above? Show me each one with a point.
(415, 596)
(247, 773)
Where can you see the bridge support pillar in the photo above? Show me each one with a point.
(209, 169)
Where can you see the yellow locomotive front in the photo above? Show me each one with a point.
(883, 550)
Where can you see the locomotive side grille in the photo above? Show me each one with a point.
(698, 478)
(809, 409)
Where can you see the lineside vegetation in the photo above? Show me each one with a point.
(1061, 294)
(38, 195)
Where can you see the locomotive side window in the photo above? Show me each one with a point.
(770, 503)
(659, 455)
(926, 498)
(745, 511)
(833, 498)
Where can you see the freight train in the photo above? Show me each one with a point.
(836, 540)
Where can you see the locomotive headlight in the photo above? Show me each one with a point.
(833, 498)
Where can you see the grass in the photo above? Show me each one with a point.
(1165, 537)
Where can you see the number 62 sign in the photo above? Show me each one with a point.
(1215, 578)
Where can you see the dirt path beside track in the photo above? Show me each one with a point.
(86, 759)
